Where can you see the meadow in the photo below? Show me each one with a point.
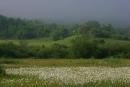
(65, 73)
(17, 63)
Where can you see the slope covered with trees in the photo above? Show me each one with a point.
(89, 40)
(12, 28)
(16, 28)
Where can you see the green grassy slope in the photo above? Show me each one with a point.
(66, 41)
(40, 42)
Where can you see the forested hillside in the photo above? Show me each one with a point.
(16, 28)
(87, 40)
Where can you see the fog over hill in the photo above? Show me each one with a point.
(69, 11)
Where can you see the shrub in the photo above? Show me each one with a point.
(84, 47)
(12, 50)
(54, 51)
(59, 51)
(2, 71)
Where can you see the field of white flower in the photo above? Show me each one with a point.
(67, 73)
(77, 75)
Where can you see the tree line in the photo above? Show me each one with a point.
(81, 47)
(16, 28)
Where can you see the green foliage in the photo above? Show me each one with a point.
(95, 29)
(60, 34)
(29, 29)
(13, 50)
(59, 51)
(55, 51)
(2, 71)
(92, 40)
(83, 47)
(15, 28)
(80, 47)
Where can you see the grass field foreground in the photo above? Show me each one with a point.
(64, 62)
(65, 73)
(27, 81)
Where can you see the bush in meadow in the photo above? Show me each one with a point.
(2, 71)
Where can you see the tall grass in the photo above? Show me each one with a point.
(64, 62)
(21, 81)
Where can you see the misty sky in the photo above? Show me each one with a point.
(111, 11)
